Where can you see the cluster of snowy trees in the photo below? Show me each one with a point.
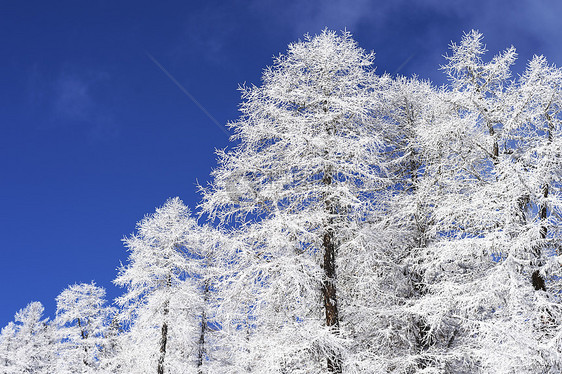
(360, 224)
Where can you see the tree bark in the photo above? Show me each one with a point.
(83, 335)
(329, 285)
(537, 279)
(163, 341)
(201, 352)
(164, 336)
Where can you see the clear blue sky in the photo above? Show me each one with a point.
(94, 136)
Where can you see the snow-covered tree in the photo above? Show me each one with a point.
(307, 186)
(432, 240)
(110, 357)
(163, 300)
(82, 325)
(8, 348)
(416, 111)
(28, 344)
(366, 224)
(486, 302)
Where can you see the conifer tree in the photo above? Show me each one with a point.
(33, 348)
(308, 179)
(162, 304)
(82, 325)
(485, 270)
(365, 224)
(7, 347)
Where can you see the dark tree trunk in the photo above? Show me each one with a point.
(201, 352)
(83, 335)
(164, 336)
(424, 339)
(163, 341)
(537, 279)
(329, 285)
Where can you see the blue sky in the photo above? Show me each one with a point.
(94, 135)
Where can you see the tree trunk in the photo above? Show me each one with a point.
(495, 146)
(201, 352)
(163, 341)
(164, 336)
(424, 340)
(83, 335)
(329, 285)
(537, 279)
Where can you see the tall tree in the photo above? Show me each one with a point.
(33, 344)
(308, 178)
(82, 325)
(162, 304)
(366, 224)
(416, 110)
(8, 347)
(212, 250)
(485, 271)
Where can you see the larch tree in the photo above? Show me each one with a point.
(416, 110)
(487, 301)
(8, 347)
(365, 224)
(163, 301)
(33, 348)
(306, 186)
(83, 322)
(214, 254)
(113, 347)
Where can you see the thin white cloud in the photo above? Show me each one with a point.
(335, 14)
(72, 98)
(207, 29)
(76, 101)
(426, 27)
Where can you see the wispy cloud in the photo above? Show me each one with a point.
(524, 23)
(424, 28)
(77, 101)
(313, 16)
(72, 99)
(208, 29)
